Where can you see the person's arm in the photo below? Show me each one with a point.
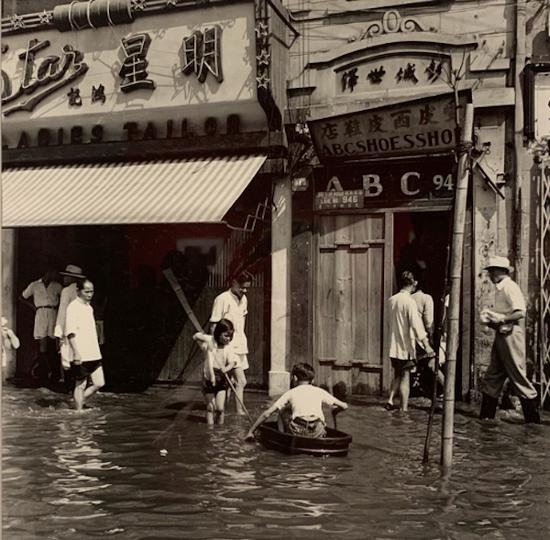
(340, 404)
(516, 315)
(217, 313)
(77, 359)
(429, 315)
(231, 363)
(262, 418)
(329, 399)
(203, 341)
(61, 314)
(25, 297)
(71, 329)
(202, 338)
(13, 339)
(419, 330)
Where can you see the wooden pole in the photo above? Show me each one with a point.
(455, 274)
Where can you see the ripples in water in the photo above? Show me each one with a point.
(146, 466)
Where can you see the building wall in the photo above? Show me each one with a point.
(475, 38)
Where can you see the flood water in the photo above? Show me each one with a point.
(145, 466)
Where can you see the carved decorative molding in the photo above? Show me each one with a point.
(81, 14)
(391, 23)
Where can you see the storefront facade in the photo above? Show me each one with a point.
(381, 195)
(141, 135)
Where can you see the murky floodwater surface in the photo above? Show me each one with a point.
(145, 466)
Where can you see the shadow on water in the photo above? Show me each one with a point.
(138, 466)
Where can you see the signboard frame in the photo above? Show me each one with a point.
(361, 135)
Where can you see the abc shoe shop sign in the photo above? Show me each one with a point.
(423, 126)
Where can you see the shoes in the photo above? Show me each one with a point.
(389, 407)
(530, 410)
(488, 407)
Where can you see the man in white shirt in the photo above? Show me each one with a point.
(45, 293)
(508, 352)
(233, 305)
(71, 274)
(425, 304)
(405, 329)
(81, 334)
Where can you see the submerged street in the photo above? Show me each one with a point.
(144, 466)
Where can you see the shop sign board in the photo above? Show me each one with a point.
(379, 183)
(158, 69)
(419, 127)
(336, 197)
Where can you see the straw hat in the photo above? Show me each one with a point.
(72, 270)
(498, 262)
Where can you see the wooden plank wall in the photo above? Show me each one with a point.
(350, 301)
(184, 361)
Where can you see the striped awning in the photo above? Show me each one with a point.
(196, 190)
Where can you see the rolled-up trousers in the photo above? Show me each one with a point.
(508, 361)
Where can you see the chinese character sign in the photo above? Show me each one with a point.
(134, 68)
(418, 127)
(202, 54)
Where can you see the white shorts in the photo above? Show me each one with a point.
(242, 361)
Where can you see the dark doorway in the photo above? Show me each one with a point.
(421, 243)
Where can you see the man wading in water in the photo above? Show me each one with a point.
(81, 333)
(508, 352)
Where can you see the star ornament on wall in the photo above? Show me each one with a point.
(263, 58)
(17, 21)
(139, 5)
(261, 30)
(46, 17)
(263, 81)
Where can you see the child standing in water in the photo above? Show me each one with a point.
(218, 360)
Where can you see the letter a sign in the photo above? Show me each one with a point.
(337, 197)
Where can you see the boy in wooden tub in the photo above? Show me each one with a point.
(301, 407)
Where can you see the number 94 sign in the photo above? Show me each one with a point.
(409, 185)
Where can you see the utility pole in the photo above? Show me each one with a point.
(455, 275)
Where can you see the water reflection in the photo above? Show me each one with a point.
(146, 466)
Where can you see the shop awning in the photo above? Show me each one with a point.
(197, 190)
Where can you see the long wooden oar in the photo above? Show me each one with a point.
(169, 274)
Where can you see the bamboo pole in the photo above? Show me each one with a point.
(455, 274)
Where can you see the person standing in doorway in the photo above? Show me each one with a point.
(425, 305)
(508, 352)
(45, 293)
(71, 274)
(406, 329)
(233, 305)
(81, 335)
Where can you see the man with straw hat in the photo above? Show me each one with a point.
(508, 352)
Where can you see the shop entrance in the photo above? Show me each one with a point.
(420, 244)
(358, 259)
(148, 337)
(352, 279)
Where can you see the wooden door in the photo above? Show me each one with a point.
(353, 274)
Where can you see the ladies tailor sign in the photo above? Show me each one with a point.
(423, 126)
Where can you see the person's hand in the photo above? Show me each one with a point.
(77, 360)
(249, 436)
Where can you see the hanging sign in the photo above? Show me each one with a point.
(418, 127)
(386, 184)
(336, 197)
